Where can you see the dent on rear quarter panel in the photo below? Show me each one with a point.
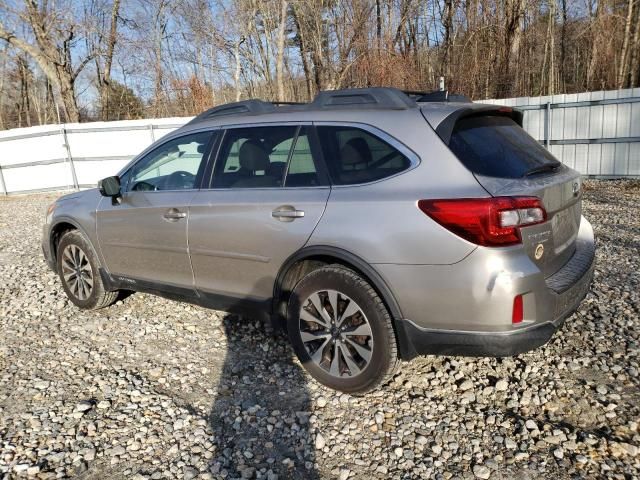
(381, 223)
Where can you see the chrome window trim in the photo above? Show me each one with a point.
(263, 189)
(412, 156)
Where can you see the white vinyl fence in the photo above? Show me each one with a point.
(597, 133)
(77, 155)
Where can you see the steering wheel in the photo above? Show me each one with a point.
(180, 179)
(143, 186)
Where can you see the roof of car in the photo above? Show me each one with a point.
(353, 100)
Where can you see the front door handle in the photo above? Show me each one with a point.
(173, 215)
(287, 213)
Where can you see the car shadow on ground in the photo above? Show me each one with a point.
(260, 418)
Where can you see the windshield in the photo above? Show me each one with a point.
(496, 146)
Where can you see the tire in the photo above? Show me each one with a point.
(76, 258)
(364, 338)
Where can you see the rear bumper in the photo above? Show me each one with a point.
(419, 341)
(557, 298)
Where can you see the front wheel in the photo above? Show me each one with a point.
(341, 330)
(78, 270)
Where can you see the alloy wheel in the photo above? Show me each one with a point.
(336, 333)
(77, 272)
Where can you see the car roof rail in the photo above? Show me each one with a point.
(375, 97)
(254, 107)
(438, 96)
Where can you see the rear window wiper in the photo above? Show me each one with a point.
(547, 167)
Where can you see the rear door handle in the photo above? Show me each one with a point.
(287, 213)
(173, 215)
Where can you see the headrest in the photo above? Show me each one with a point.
(201, 148)
(355, 151)
(252, 156)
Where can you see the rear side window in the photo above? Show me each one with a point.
(356, 156)
(254, 157)
(266, 157)
(496, 146)
(302, 171)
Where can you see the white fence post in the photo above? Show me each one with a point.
(547, 126)
(2, 184)
(68, 149)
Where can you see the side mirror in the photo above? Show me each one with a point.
(109, 187)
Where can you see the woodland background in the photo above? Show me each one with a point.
(69, 61)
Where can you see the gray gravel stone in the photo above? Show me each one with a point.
(502, 385)
(150, 388)
(480, 471)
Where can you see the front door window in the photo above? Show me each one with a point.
(172, 166)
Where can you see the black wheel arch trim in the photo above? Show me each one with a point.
(370, 274)
(70, 221)
(329, 251)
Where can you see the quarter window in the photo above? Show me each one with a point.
(356, 156)
(172, 166)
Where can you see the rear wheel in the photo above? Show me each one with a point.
(341, 330)
(78, 270)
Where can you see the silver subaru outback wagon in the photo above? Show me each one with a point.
(375, 224)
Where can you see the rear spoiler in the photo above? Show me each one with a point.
(445, 128)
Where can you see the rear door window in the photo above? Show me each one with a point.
(496, 146)
(303, 170)
(254, 157)
(356, 156)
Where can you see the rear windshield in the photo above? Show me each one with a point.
(496, 146)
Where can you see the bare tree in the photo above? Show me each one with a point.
(623, 70)
(161, 57)
(282, 27)
(52, 51)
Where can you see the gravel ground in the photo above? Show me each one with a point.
(151, 388)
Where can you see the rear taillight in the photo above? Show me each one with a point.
(490, 222)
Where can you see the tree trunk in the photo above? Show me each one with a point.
(238, 69)
(634, 63)
(563, 47)
(302, 46)
(378, 26)
(104, 82)
(514, 13)
(56, 69)
(70, 107)
(448, 33)
(24, 107)
(623, 71)
(595, 40)
(284, 5)
(552, 46)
